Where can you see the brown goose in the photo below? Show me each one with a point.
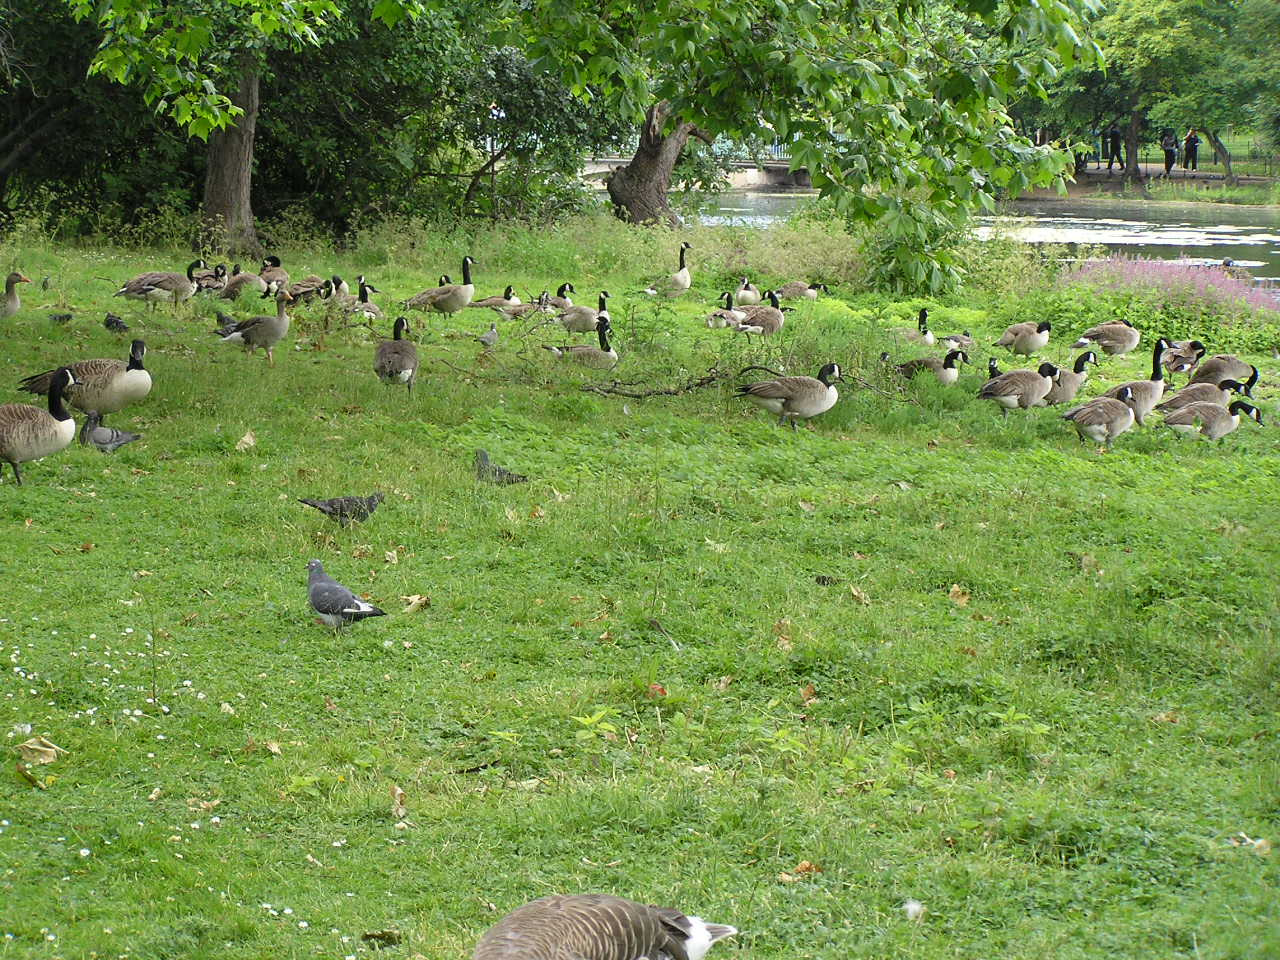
(1213, 421)
(396, 360)
(1103, 418)
(12, 302)
(540, 305)
(508, 299)
(726, 316)
(1145, 393)
(448, 297)
(921, 333)
(944, 369)
(764, 320)
(598, 927)
(240, 282)
(747, 294)
(673, 284)
(208, 281)
(1020, 388)
(160, 287)
(308, 288)
(29, 433)
(958, 341)
(272, 272)
(1025, 338)
(1183, 355)
(262, 331)
(797, 398)
(561, 300)
(106, 386)
(1223, 366)
(1113, 338)
(601, 356)
(581, 318)
(1069, 382)
(362, 306)
(798, 290)
(1219, 393)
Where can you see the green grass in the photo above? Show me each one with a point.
(1249, 194)
(935, 654)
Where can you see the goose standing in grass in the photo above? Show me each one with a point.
(396, 360)
(1219, 393)
(1224, 366)
(1025, 338)
(1146, 393)
(362, 306)
(764, 320)
(262, 331)
(508, 299)
(273, 272)
(448, 297)
(106, 439)
(12, 302)
(674, 284)
(597, 927)
(725, 316)
(747, 294)
(581, 318)
(1020, 389)
(799, 290)
(921, 333)
(161, 287)
(1113, 338)
(1069, 382)
(29, 433)
(335, 604)
(1212, 420)
(561, 300)
(105, 386)
(795, 398)
(1103, 418)
(1183, 356)
(944, 369)
(211, 281)
(241, 282)
(601, 356)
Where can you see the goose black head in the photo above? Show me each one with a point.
(1125, 394)
(137, 350)
(508, 293)
(220, 271)
(1044, 326)
(993, 368)
(922, 320)
(1248, 409)
(1047, 370)
(954, 357)
(235, 270)
(685, 245)
(271, 261)
(829, 372)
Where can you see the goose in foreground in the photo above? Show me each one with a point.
(921, 333)
(263, 331)
(598, 927)
(12, 302)
(747, 294)
(944, 369)
(335, 604)
(347, 510)
(106, 439)
(1069, 382)
(601, 356)
(160, 287)
(799, 290)
(797, 398)
(448, 297)
(29, 433)
(1020, 388)
(1213, 421)
(674, 284)
(1103, 418)
(958, 341)
(105, 386)
(1223, 366)
(209, 281)
(508, 299)
(764, 320)
(273, 272)
(725, 316)
(1113, 338)
(1025, 338)
(561, 300)
(1183, 356)
(396, 360)
(581, 318)
(1146, 393)
(1219, 393)
(490, 472)
(241, 282)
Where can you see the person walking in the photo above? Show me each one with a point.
(1117, 147)
(1190, 146)
(1169, 142)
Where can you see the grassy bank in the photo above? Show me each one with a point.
(1263, 194)
(929, 653)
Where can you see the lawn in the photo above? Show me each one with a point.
(781, 680)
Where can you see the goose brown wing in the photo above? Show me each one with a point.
(85, 371)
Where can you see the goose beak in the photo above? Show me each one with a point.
(23, 278)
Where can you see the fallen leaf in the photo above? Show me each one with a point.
(981, 616)
(782, 627)
(154, 795)
(391, 557)
(245, 442)
(969, 651)
(329, 703)
(656, 690)
(723, 682)
(415, 602)
(804, 866)
(537, 513)
(227, 708)
(949, 774)
(383, 938)
(40, 750)
(398, 809)
(512, 515)
(1167, 716)
(902, 485)
(138, 574)
(714, 546)
(809, 694)
(859, 595)
(605, 636)
(806, 506)
(271, 747)
(86, 547)
(959, 596)
(314, 862)
(784, 644)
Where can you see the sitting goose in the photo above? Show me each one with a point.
(799, 290)
(1025, 338)
(1113, 338)
(944, 369)
(12, 302)
(561, 300)
(747, 294)
(1069, 382)
(308, 288)
(1146, 393)
(262, 331)
(508, 299)
(106, 439)
(240, 282)
(1103, 418)
(581, 318)
(160, 287)
(673, 284)
(1219, 393)
(597, 927)
(448, 297)
(29, 433)
(725, 316)
(104, 386)
(396, 360)
(517, 310)
(272, 272)
(797, 398)
(1020, 388)
(764, 320)
(601, 356)
(921, 333)
(958, 341)
(362, 305)
(1224, 366)
(211, 280)
(1213, 421)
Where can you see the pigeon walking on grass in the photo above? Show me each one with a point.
(490, 337)
(106, 439)
(492, 473)
(335, 604)
(347, 510)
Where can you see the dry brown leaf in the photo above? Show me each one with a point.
(415, 602)
(398, 809)
(154, 795)
(247, 441)
(949, 774)
(723, 682)
(656, 690)
(383, 938)
(969, 651)
(227, 708)
(782, 627)
(805, 866)
(329, 703)
(537, 513)
(806, 506)
(605, 636)
(784, 644)
(809, 694)
(512, 516)
(787, 878)
(959, 595)
(40, 750)
(271, 747)
(86, 547)
(391, 557)
(859, 595)
(902, 485)
(1167, 716)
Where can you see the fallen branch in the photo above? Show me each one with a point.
(619, 389)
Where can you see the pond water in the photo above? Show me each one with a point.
(1197, 232)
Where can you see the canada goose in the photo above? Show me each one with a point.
(764, 320)
(1212, 420)
(363, 306)
(491, 472)
(1219, 393)
(159, 287)
(922, 333)
(1146, 393)
(263, 331)
(1113, 338)
(448, 297)
(796, 397)
(1103, 418)
(674, 284)
(561, 300)
(347, 510)
(597, 927)
(335, 604)
(102, 385)
(725, 316)
(798, 290)
(601, 356)
(1069, 382)
(541, 305)
(208, 281)
(944, 369)
(29, 433)
(106, 439)
(958, 341)
(240, 282)
(1020, 388)
(747, 294)
(508, 299)
(1025, 338)
(1183, 356)
(993, 368)
(340, 287)
(308, 288)
(582, 318)
(1223, 366)
(272, 271)
(396, 360)
(12, 302)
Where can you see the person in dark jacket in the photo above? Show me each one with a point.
(1169, 143)
(1117, 148)
(1190, 147)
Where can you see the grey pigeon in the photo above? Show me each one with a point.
(347, 510)
(60, 317)
(44, 284)
(115, 324)
(226, 324)
(336, 605)
(106, 439)
(492, 473)
(490, 337)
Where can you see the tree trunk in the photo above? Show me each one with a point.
(1133, 170)
(1221, 149)
(227, 209)
(639, 189)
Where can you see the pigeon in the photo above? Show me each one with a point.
(60, 317)
(490, 337)
(44, 284)
(115, 324)
(492, 473)
(336, 604)
(347, 510)
(226, 324)
(106, 439)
